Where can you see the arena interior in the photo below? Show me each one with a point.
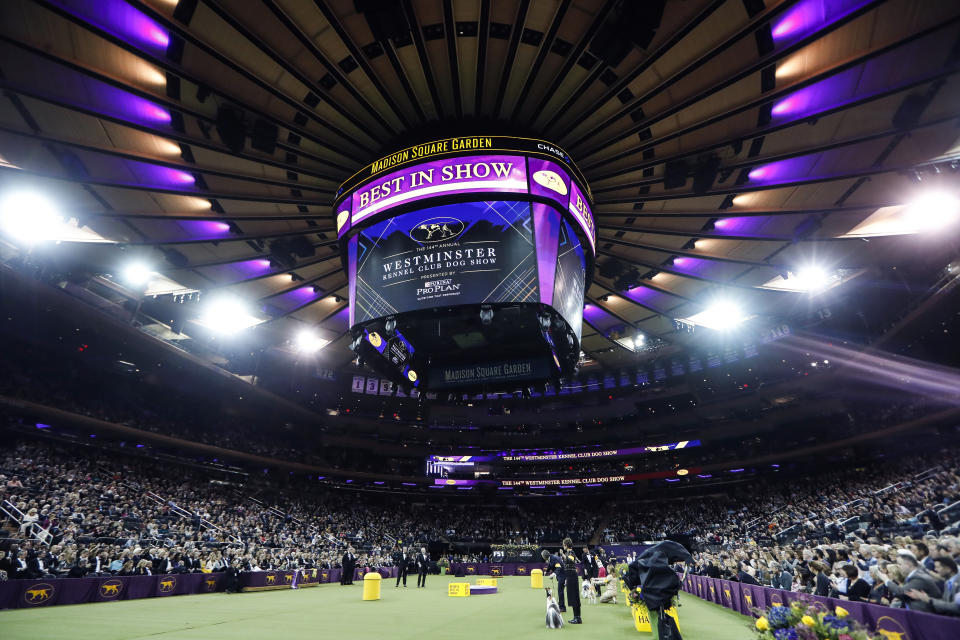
(480, 319)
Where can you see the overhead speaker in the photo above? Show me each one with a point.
(264, 136)
(230, 128)
(302, 247)
(611, 268)
(705, 174)
(674, 174)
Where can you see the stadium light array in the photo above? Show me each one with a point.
(227, 315)
(813, 279)
(137, 274)
(721, 315)
(306, 341)
(29, 217)
(933, 210)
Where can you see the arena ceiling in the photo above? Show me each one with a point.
(735, 148)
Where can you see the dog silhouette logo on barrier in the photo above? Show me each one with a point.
(891, 629)
(211, 584)
(111, 589)
(288, 578)
(168, 584)
(271, 579)
(748, 598)
(38, 593)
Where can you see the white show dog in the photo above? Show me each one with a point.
(588, 591)
(554, 617)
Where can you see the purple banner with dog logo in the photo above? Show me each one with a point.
(895, 624)
(25, 594)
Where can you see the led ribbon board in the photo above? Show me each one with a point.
(453, 167)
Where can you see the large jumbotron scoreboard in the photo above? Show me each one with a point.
(467, 261)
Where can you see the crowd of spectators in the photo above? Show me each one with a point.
(887, 534)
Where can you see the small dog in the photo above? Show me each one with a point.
(554, 618)
(588, 591)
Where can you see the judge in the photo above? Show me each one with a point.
(423, 563)
(349, 564)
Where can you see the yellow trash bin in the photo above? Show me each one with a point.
(536, 579)
(371, 586)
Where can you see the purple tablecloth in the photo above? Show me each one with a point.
(901, 624)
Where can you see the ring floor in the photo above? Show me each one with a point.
(515, 612)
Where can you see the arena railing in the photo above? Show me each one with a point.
(35, 531)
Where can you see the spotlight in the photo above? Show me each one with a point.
(721, 315)
(639, 341)
(137, 274)
(227, 315)
(933, 210)
(813, 279)
(29, 217)
(306, 341)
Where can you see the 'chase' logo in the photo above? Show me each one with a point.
(550, 180)
(111, 588)
(38, 593)
(891, 629)
(437, 229)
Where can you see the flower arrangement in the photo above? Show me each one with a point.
(802, 621)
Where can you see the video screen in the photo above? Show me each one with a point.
(469, 253)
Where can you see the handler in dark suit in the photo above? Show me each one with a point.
(349, 564)
(400, 559)
(555, 565)
(423, 563)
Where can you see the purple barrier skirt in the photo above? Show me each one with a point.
(902, 624)
(25, 594)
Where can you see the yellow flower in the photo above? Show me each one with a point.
(762, 624)
(807, 620)
(842, 613)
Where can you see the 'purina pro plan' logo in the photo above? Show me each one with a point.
(437, 229)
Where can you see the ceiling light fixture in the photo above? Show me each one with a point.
(227, 315)
(29, 217)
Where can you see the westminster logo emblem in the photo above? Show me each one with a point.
(211, 584)
(342, 218)
(38, 593)
(111, 588)
(521, 570)
(437, 229)
(168, 584)
(550, 180)
(412, 375)
(891, 629)
(375, 339)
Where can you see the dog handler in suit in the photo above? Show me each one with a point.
(555, 565)
(572, 580)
